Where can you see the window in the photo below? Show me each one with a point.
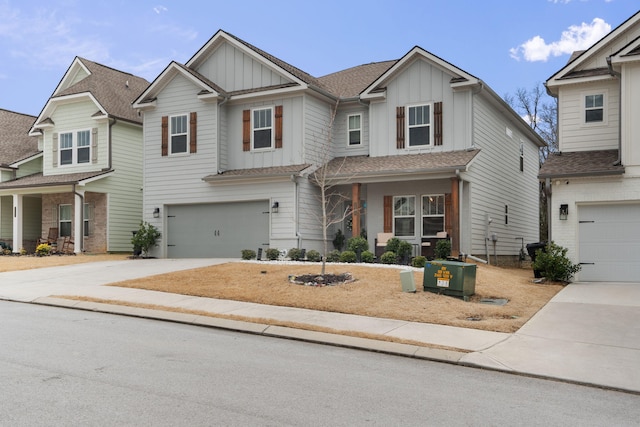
(87, 223)
(66, 148)
(64, 220)
(404, 215)
(419, 125)
(262, 128)
(432, 214)
(521, 156)
(178, 132)
(355, 130)
(78, 152)
(594, 108)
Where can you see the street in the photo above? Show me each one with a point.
(62, 367)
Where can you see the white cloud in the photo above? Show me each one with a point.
(576, 37)
(160, 9)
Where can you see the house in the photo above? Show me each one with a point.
(594, 179)
(80, 174)
(416, 147)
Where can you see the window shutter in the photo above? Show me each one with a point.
(278, 126)
(448, 214)
(437, 123)
(165, 135)
(399, 127)
(193, 126)
(55, 149)
(94, 145)
(246, 130)
(388, 214)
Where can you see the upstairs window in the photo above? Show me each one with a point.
(419, 125)
(594, 108)
(75, 147)
(404, 216)
(179, 134)
(262, 125)
(432, 214)
(355, 130)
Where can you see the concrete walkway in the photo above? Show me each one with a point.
(588, 333)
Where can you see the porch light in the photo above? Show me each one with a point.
(274, 207)
(564, 212)
(156, 212)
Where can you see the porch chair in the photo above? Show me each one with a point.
(67, 246)
(51, 239)
(381, 243)
(428, 244)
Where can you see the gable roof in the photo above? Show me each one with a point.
(581, 163)
(351, 82)
(15, 142)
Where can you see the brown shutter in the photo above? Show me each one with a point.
(54, 143)
(246, 130)
(94, 145)
(193, 126)
(387, 214)
(278, 126)
(165, 135)
(437, 123)
(400, 127)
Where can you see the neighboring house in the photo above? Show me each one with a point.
(84, 176)
(594, 179)
(417, 146)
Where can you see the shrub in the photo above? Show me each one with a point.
(333, 256)
(313, 256)
(272, 254)
(554, 264)
(348, 256)
(295, 254)
(23, 251)
(248, 254)
(357, 244)
(43, 249)
(367, 256)
(404, 249)
(145, 238)
(443, 249)
(418, 261)
(388, 258)
(338, 240)
(392, 245)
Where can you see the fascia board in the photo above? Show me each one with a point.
(577, 80)
(53, 103)
(70, 74)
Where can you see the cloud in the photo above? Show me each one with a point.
(160, 9)
(576, 37)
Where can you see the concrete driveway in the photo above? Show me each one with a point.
(588, 333)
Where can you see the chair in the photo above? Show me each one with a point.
(428, 245)
(51, 239)
(67, 246)
(381, 243)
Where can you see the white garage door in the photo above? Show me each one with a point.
(218, 230)
(609, 242)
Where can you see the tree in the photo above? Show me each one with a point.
(145, 238)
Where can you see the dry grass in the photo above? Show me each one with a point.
(28, 262)
(376, 292)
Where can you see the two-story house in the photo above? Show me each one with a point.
(594, 179)
(85, 182)
(417, 147)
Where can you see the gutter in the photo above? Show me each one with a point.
(615, 73)
(111, 123)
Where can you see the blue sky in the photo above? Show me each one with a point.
(509, 44)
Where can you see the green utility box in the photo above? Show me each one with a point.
(450, 278)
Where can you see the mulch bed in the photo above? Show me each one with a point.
(321, 280)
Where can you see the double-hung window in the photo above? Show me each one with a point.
(432, 214)
(75, 147)
(262, 128)
(404, 216)
(64, 220)
(594, 108)
(419, 125)
(66, 148)
(179, 134)
(355, 129)
(87, 223)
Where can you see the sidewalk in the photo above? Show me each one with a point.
(588, 333)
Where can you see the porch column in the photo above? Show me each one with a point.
(355, 206)
(455, 214)
(17, 223)
(78, 221)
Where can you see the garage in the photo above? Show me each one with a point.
(609, 242)
(217, 230)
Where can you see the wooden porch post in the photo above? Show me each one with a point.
(355, 206)
(455, 217)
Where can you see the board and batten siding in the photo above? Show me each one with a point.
(496, 182)
(574, 133)
(630, 122)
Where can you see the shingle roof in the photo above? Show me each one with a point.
(354, 166)
(15, 143)
(38, 180)
(581, 163)
(352, 81)
(273, 171)
(114, 90)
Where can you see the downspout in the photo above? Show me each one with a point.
(224, 101)
(296, 195)
(617, 74)
(548, 191)
(111, 123)
(81, 237)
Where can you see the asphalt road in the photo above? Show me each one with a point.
(64, 367)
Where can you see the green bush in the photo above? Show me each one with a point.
(272, 254)
(333, 256)
(392, 245)
(295, 254)
(338, 240)
(313, 256)
(443, 249)
(554, 264)
(388, 258)
(367, 256)
(357, 244)
(404, 249)
(348, 256)
(248, 254)
(145, 238)
(418, 261)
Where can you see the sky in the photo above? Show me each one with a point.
(509, 44)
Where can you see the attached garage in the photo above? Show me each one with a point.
(609, 242)
(217, 230)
